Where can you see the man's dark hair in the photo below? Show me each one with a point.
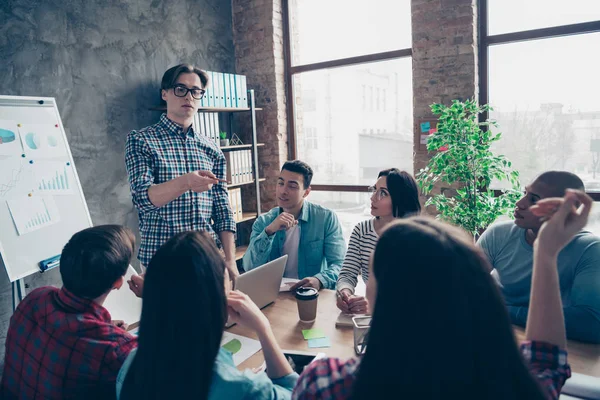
(170, 76)
(300, 167)
(95, 258)
(560, 181)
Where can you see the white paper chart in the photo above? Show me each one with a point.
(53, 177)
(241, 347)
(16, 177)
(31, 213)
(42, 140)
(10, 143)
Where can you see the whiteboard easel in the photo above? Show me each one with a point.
(36, 170)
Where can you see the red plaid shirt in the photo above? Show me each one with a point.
(330, 378)
(60, 346)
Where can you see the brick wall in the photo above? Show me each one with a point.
(444, 58)
(444, 68)
(258, 41)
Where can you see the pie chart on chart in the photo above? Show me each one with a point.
(52, 141)
(7, 136)
(33, 141)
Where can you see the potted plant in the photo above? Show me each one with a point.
(464, 158)
(224, 141)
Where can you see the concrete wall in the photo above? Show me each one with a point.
(103, 60)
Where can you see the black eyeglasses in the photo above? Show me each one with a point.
(182, 91)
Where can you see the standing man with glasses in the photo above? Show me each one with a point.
(176, 174)
(309, 234)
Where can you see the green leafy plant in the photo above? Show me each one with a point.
(464, 158)
(223, 135)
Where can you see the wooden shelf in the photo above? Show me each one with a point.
(247, 216)
(240, 251)
(240, 147)
(244, 183)
(211, 109)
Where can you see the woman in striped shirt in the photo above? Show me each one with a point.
(395, 195)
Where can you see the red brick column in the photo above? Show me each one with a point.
(258, 41)
(444, 61)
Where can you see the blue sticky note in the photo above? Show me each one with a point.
(425, 126)
(320, 342)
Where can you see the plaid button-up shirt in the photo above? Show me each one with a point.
(60, 346)
(332, 378)
(160, 153)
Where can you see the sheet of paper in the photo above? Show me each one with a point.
(241, 347)
(54, 177)
(286, 283)
(30, 213)
(123, 304)
(42, 140)
(10, 142)
(16, 177)
(314, 333)
(319, 342)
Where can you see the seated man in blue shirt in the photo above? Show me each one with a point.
(509, 248)
(309, 234)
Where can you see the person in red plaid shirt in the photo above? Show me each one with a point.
(61, 343)
(440, 328)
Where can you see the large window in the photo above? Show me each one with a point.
(348, 134)
(539, 72)
(349, 78)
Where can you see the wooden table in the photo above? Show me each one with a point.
(283, 316)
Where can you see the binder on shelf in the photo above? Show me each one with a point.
(210, 94)
(244, 91)
(221, 92)
(229, 167)
(238, 90)
(240, 213)
(235, 200)
(226, 90)
(234, 102)
(247, 166)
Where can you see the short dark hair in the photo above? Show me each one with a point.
(95, 258)
(560, 181)
(300, 167)
(198, 286)
(404, 192)
(432, 275)
(170, 76)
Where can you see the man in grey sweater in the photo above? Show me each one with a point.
(509, 248)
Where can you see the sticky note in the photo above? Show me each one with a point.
(425, 126)
(315, 333)
(432, 131)
(319, 342)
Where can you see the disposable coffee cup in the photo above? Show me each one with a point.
(306, 298)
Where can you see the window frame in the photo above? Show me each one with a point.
(485, 41)
(291, 70)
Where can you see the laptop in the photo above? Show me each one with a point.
(261, 284)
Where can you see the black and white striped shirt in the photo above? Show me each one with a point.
(361, 247)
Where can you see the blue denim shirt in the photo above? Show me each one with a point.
(322, 246)
(230, 383)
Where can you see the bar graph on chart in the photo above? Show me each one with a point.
(31, 213)
(54, 178)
